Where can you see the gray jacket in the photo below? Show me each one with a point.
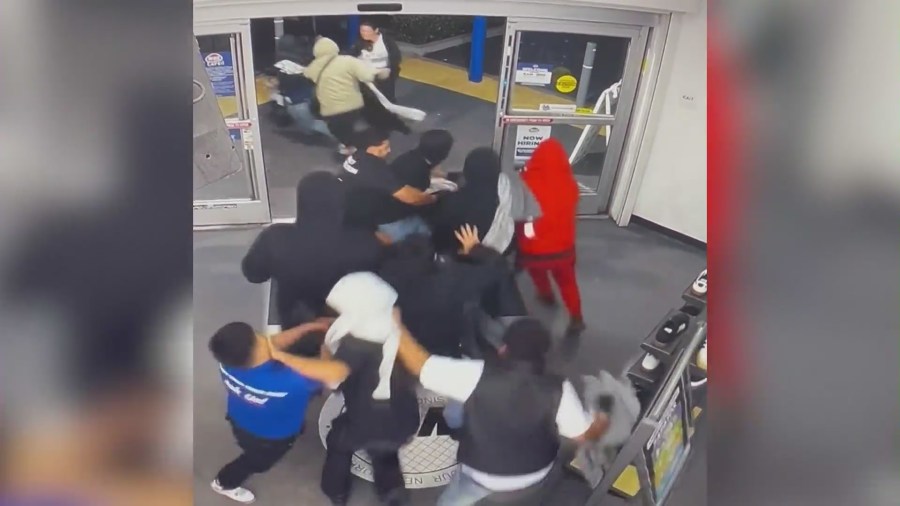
(616, 397)
(524, 205)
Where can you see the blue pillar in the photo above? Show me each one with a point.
(352, 30)
(476, 57)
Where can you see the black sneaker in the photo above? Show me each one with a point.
(547, 300)
(396, 497)
(575, 328)
(673, 328)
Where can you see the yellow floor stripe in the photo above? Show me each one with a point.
(456, 79)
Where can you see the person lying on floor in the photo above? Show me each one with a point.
(434, 290)
(266, 400)
(306, 258)
(509, 414)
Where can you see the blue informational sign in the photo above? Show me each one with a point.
(533, 74)
(220, 68)
(235, 134)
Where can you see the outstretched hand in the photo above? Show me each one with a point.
(467, 235)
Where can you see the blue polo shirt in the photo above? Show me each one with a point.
(269, 400)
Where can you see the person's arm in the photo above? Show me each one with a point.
(257, 265)
(283, 340)
(453, 378)
(412, 355)
(363, 72)
(574, 422)
(414, 196)
(598, 428)
(325, 371)
(483, 268)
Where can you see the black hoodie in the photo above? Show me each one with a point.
(307, 258)
(434, 291)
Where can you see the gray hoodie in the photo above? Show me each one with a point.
(616, 397)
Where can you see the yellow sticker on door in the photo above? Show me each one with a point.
(566, 84)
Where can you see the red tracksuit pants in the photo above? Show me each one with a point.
(563, 272)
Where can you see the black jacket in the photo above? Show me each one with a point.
(307, 258)
(433, 293)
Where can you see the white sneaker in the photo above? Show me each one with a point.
(650, 362)
(699, 286)
(239, 494)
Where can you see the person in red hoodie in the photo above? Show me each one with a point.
(547, 245)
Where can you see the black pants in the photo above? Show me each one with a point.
(388, 88)
(344, 126)
(259, 455)
(336, 475)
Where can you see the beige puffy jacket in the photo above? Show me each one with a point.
(339, 90)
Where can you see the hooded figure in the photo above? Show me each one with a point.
(475, 203)
(342, 94)
(337, 78)
(548, 248)
(381, 410)
(305, 259)
(491, 199)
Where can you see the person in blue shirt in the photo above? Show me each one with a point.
(267, 398)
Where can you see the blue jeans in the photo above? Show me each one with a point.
(401, 229)
(462, 491)
(305, 120)
(453, 414)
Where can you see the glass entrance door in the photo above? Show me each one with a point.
(229, 180)
(575, 82)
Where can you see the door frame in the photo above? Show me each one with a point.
(239, 211)
(505, 115)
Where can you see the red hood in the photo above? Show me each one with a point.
(548, 157)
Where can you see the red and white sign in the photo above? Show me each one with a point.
(516, 120)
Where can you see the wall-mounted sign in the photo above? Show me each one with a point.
(559, 108)
(512, 120)
(220, 68)
(527, 139)
(566, 84)
(668, 448)
(238, 123)
(534, 74)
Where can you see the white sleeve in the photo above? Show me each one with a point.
(452, 377)
(571, 419)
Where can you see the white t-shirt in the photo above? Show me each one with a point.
(457, 379)
(378, 57)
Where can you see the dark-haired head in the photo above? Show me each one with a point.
(435, 145)
(528, 341)
(233, 344)
(369, 30)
